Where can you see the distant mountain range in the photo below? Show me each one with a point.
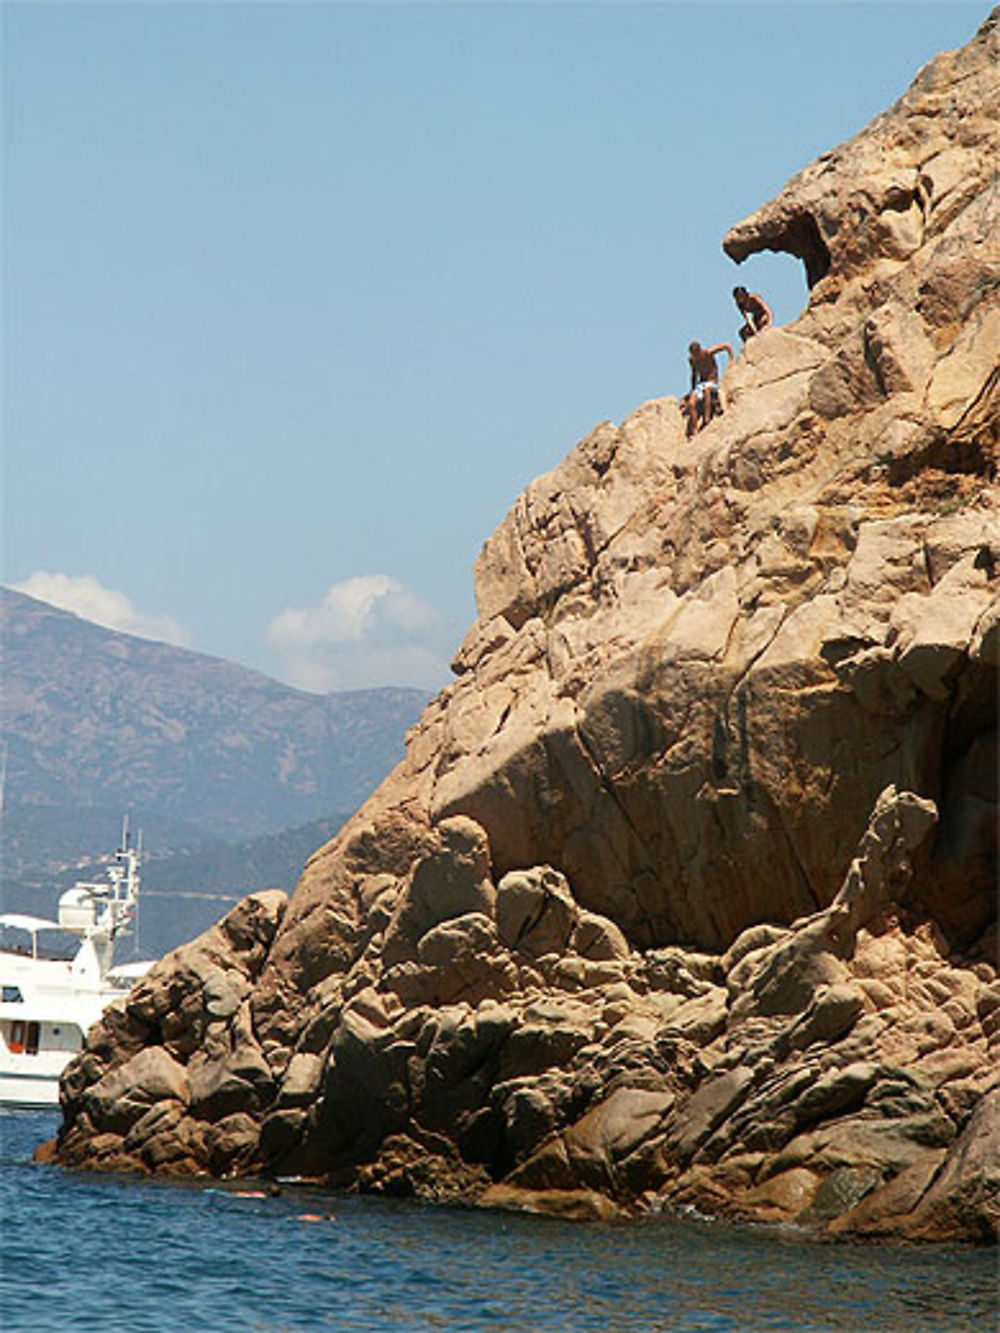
(199, 751)
(183, 892)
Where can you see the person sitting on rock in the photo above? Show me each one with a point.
(755, 311)
(704, 401)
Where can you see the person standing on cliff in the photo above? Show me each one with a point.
(755, 311)
(704, 401)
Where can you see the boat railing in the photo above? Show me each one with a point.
(49, 953)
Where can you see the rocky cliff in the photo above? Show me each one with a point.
(684, 893)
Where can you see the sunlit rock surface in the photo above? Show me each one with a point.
(685, 893)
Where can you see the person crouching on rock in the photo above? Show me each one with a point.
(704, 401)
(755, 311)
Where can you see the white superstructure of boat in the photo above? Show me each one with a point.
(47, 1003)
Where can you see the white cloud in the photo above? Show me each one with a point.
(366, 631)
(88, 598)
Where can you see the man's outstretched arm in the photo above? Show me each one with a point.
(721, 347)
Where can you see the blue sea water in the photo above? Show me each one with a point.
(83, 1252)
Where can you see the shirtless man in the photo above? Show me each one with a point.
(754, 310)
(703, 402)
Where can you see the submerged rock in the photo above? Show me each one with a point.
(684, 894)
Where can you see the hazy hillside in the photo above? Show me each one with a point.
(93, 718)
(233, 778)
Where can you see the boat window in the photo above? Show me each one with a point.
(12, 995)
(31, 1045)
(16, 1039)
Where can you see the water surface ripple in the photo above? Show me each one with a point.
(84, 1252)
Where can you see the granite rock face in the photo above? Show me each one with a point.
(684, 894)
(175, 1080)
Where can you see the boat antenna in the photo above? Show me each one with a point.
(135, 909)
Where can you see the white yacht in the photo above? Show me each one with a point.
(48, 1002)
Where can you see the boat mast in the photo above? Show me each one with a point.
(100, 912)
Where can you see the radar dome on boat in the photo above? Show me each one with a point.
(77, 911)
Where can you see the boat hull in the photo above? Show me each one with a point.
(48, 1002)
(45, 1012)
(29, 1092)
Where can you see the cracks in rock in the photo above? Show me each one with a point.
(983, 618)
(967, 448)
(723, 781)
(533, 921)
(722, 726)
(778, 823)
(502, 719)
(607, 786)
(584, 527)
(927, 563)
(872, 359)
(718, 765)
(944, 1165)
(603, 779)
(978, 425)
(780, 379)
(985, 560)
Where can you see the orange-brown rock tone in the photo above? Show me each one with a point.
(685, 891)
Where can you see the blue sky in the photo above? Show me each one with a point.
(298, 297)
